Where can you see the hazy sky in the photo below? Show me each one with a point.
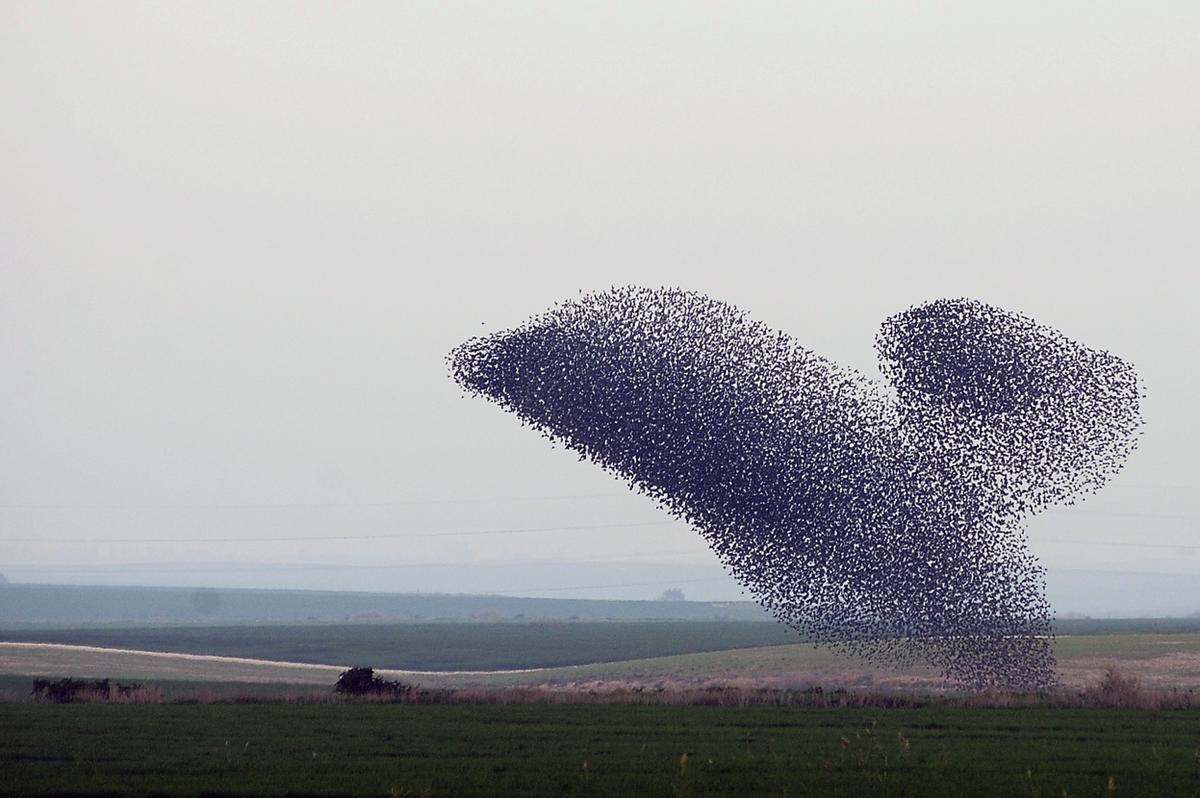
(238, 240)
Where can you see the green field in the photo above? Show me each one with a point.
(498, 646)
(357, 749)
(432, 646)
(295, 738)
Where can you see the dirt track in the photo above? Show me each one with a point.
(75, 656)
(1157, 661)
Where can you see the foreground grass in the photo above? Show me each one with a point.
(364, 749)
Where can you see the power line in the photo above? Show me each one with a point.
(660, 583)
(507, 531)
(306, 505)
(294, 538)
(1119, 543)
(1112, 514)
(514, 531)
(477, 500)
(1071, 510)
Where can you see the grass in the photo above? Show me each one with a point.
(629, 731)
(365, 749)
(1115, 689)
(1161, 661)
(1125, 646)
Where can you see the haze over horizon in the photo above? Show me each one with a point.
(239, 244)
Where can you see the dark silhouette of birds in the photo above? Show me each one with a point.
(884, 519)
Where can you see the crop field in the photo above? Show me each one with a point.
(1159, 662)
(508, 654)
(431, 646)
(256, 725)
(364, 749)
(514, 645)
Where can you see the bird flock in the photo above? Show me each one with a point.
(881, 518)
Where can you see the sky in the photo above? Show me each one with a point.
(237, 241)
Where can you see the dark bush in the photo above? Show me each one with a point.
(363, 681)
(67, 690)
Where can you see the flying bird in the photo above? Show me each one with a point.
(881, 517)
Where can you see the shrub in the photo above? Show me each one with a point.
(1118, 689)
(65, 691)
(363, 681)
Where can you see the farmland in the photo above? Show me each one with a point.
(1159, 661)
(363, 749)
(623, 715)
(543, 644)
(432, 646)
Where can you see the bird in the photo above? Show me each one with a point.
(881, 517)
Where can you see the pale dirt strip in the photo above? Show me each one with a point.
(58, 658)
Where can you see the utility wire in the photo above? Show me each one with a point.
(306, 505)
(1111, 514)
(1118, 543)
(484, 532)
(514, 531)
(290, 538)
(1074, 510)
(661, 583)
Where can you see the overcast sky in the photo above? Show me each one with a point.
(238, 240)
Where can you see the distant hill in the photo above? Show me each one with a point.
(81, 604)
(1072, 594)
